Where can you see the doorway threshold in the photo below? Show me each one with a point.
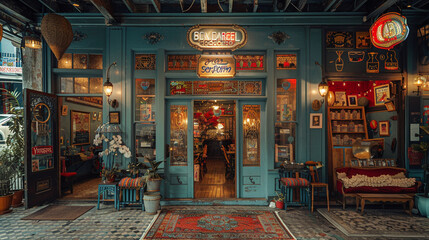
(212, 202)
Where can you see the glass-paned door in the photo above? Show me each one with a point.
(179, 135)
(252, 120)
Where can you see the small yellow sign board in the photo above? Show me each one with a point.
(216, 66)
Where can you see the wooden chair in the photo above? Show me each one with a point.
(315, 182)
(67, 178)
(229, 165)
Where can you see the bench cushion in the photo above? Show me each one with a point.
(366, 189)
(131, 182)
(295, 182)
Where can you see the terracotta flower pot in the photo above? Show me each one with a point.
(5, 203)
(17, 198)
(280, 204)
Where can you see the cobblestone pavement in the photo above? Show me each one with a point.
(107, 223)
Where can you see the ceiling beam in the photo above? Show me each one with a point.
(11, 8)
(383, 7)
(49, 6)
(231, 2)
(130, 5)
(329, 5)
(301, 4)
(359, 5)
(204, 6)
(157, 5)
(35, 6)
(255, 5)
(104, 7)
(336, 6)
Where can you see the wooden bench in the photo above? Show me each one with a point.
(377, 197)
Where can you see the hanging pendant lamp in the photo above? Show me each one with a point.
(57, 32)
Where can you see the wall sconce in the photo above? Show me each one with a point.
(323, 86)
(419, 81)
(108, 88)
(30, 38)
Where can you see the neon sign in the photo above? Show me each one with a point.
(217, 37)
(389, 30)
(216, 66)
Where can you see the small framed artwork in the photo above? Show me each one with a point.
(94, 116)
(384, 128)
(352, 100)
(315, 120)
(100, 116)
(390, 106)
(114, 117)
(64, 110)
(381, 94)
(340, 99)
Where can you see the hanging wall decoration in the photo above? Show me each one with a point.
(153, 37)
(362, 40)
(57, 32)
(391, 62)
(389, 30)
(372, 65)
(278, 37)
(356, 56)
(339, 63)
(79, 36)
(339, 40)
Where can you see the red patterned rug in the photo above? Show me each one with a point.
(217, 224)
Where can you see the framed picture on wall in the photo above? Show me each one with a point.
(390, 106)
(384, 128)
(315, 120)
(352, 100)
(64, 110)
(340, 99)
(381, 94)
(80, 127)
(114, 118)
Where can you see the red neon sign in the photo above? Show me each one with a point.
(389, 30)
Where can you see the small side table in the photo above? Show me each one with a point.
(108, 191)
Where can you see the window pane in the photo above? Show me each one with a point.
(286, 100)
(96, 85)
(80, 61)
(65, 61)
(178, 135)
(145, 61)
(145, 141)
(251, 135)
(95, 61)
(285, 138)
(145, 99)
(81, 85)
(66, 85)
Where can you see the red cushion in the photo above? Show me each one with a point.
(295, 182)
(131, 182)
(68, 174)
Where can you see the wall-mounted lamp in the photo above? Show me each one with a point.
(108, 88)
(323, 86)
(30, 38)
(419, 81)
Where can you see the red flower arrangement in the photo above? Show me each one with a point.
(206, 120)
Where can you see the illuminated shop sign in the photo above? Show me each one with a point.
(216, 66)
(217, 37)
(389, 30)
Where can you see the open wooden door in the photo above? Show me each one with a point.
(41, 144)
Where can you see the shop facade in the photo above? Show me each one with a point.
(267, 106)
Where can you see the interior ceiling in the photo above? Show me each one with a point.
(14, 14)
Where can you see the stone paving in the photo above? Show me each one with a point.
(107, 223)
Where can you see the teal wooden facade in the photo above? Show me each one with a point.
(120, 43)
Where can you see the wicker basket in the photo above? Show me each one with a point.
(57, 32)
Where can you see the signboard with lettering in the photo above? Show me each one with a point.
(216, 66)
(217, 37)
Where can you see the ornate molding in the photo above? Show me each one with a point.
(79, 36)
(153, 37)
(278, 37)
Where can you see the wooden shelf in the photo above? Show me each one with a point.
(360, 119)
(348, 132)
(139, 95)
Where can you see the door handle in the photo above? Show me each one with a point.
(178, 180)
(251, 180)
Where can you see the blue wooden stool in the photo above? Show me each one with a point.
(108, 191)
(130, 193)
(295, 180)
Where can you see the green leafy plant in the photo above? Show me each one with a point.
(136, 168)
(152, 171)
(7, 171)
(110, 174)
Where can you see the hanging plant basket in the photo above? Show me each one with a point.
(58, 33)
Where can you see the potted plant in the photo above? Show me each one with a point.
(7, 172)
(422, 200)
(152, 177)
(109, 175)
(279, 200)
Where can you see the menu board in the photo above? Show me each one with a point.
(215, 87)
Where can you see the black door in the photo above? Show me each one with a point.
(41, 144)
